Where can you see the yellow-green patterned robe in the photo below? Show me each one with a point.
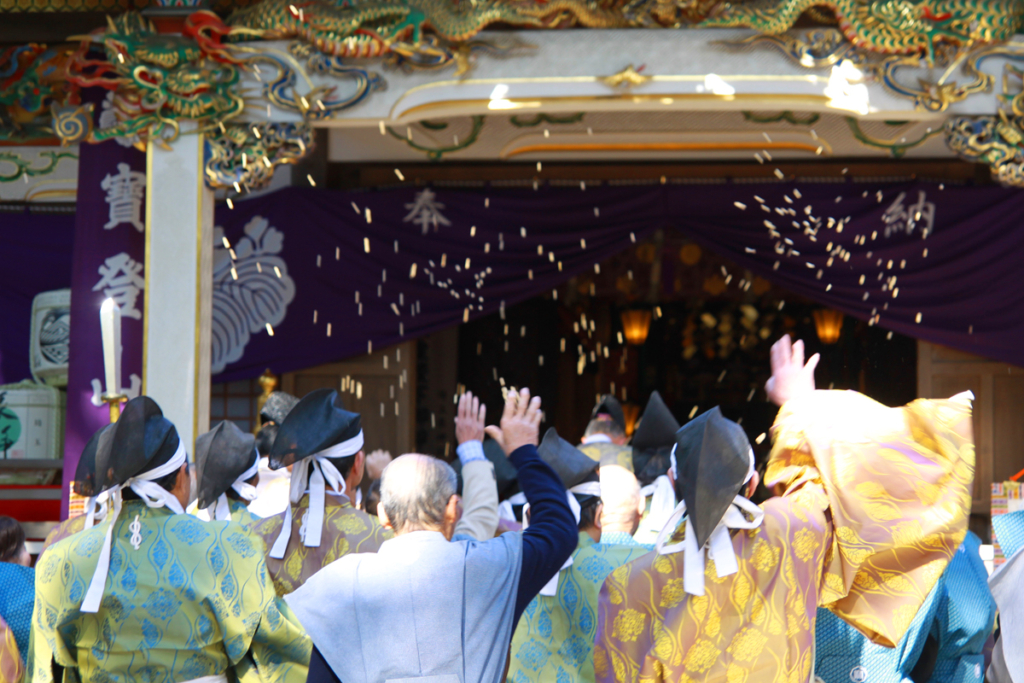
(193, 600)
(346, 530)
(555, 636)
(872, 503)
(69, 527)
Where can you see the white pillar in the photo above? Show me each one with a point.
(179, 275)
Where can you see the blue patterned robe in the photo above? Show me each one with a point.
(554, 641)
(17, 595)
(194, 600)
(959, 614)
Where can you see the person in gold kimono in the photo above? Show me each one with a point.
(12, 668)
(871, 503)
(604, 440)
(227, 472)
(324, 443)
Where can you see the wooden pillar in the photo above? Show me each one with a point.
(179, 274)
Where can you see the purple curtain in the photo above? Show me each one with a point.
(957, 286)
(36, 250)
(960, 286)
(967, 289)
(109, 255)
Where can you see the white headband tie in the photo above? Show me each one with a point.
(96, 508)
(324, 472)
(719, 544)
(155, 496)
(587, 488)
(221, 510)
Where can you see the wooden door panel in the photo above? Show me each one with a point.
(1008, 423)
(998, 405)
(944, 386)
(381, 391)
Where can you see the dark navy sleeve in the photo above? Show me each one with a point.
(319, 671)
(552, 535)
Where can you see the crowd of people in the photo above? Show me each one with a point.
(529, 558)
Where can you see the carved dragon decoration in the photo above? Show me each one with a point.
(431, 33)
(160, 79)
(31, 79)
(886, 26)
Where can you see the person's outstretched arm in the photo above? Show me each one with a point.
(552, 535)
(479, 488)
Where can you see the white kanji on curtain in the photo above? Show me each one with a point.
(121, 280)
(425, 211)
(124, 195)
(901, 218)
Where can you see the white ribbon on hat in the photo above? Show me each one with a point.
(221, 510)
(324, 472)
(663, 504)
(96, 508)
(719, 544)
(587, 488)
(153, 495)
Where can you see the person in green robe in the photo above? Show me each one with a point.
(227, 472)
(555, 637)
(85, 480)
(153, 594)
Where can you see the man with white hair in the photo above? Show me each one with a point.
(424, 607)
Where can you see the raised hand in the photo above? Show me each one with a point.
(469, 422)
(520, 422)
(791, 378)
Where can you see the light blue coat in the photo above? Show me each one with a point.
(419, 608)
(959, 614)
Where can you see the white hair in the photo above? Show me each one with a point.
(415, 490)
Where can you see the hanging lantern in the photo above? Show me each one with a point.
(829, 324)
(635, 325)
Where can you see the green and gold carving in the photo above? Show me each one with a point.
(243, 157)
(537, 119)
(158, 79)
(31, 81)
(24, 168)
(897, 147)
(805, 119)
(886, 26)
(997, 141)
(436, 153)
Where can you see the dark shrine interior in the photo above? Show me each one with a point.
(711, 328)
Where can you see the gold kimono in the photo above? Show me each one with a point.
(871, 504)
(346, 530)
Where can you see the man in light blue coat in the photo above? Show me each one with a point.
(943, 644)
(427, 607)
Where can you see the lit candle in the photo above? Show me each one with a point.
(110, 326)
